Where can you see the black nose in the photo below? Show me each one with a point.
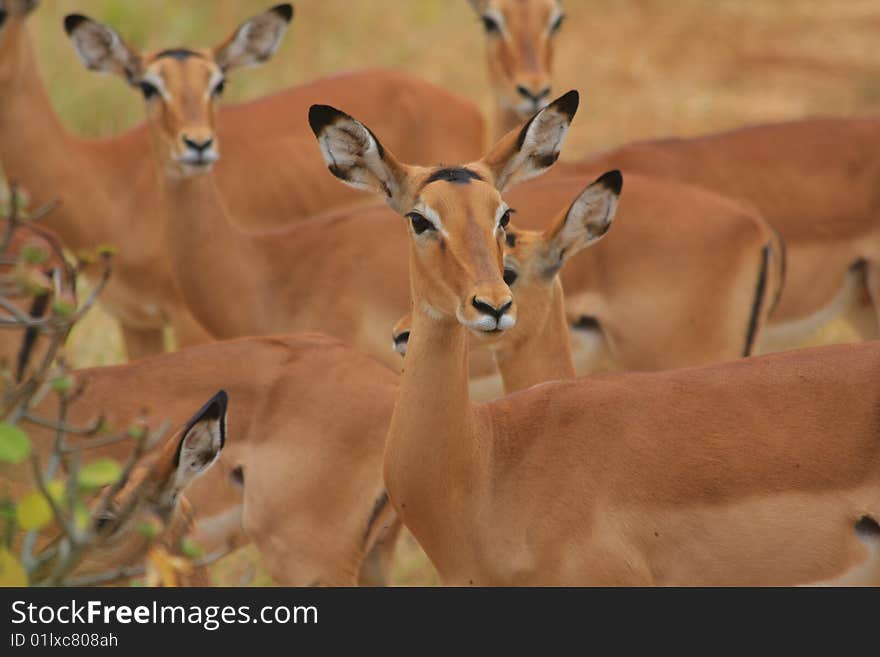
(489, 309)
(535, 98)
(198, 146)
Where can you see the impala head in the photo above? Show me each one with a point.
(532, 260)
(457, 217)
(520, 35)
(153, 491)
(181, 86)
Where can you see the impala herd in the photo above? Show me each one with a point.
(499, 446)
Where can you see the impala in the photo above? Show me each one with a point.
(108, 192)
(712, 475)
(153, 491)
(538, 348)
(813, 180)
(342, 273)
(300, 475)
(520, 36)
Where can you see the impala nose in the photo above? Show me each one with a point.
(535, 96)
(198, 146)
(493, 311)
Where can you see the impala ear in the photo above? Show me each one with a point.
(585, 222)
(256, 40)
(102, 49)
(534, 148)
(354, 155)
(200, 442)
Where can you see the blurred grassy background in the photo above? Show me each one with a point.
(646, 68)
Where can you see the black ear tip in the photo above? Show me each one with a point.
(284, 10)
(214, 408)
(72, 21)
(320, 116)
(568, 103)
(613, 181)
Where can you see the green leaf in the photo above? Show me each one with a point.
(107, 250)
(81, 516)
(15, 446)
(149, 529)
(100, 472)
(190, 548)
(63, 384)
(11, 572)
(137, 432)
(33, 254)
(33, 511)
(63, 308)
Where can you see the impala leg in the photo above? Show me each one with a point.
(376, 569)
(140, 343)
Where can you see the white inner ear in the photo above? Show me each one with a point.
(588, 219)
(256, 40)
(350, 148)
(198, 452)
(100, 47)
(542, 143)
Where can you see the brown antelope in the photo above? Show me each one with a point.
(538, 348)
(152, 493)
(342, 273)
(812, 180)
(711, 475)
(108, 193)
(300, 475)
(685, 278)
(520, 36)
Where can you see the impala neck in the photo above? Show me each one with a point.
(505, 120)
(434, 444)
(542, 354)
(38, 153)
(209, 256)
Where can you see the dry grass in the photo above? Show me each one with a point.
(646, 67)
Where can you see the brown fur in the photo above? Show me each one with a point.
(108, 189)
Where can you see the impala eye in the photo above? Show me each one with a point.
(510, 276)
(148, 90)
(557, 24)
(105, 520)
(490, 25)
(219, 89)
(419, 223)
(505, 219)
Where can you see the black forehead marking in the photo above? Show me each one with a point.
(2, 16)
(178, 53)
(455, 175)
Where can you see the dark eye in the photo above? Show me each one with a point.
(149, 90)
(219, 89)
(557, 24)
(490, 25)
(105, 520)
(419, 223)
(510, 276)
(505, 219)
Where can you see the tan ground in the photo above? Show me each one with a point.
(646, 68)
